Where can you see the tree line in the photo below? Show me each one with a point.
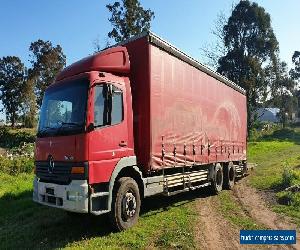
(22, 88)
(247, 53)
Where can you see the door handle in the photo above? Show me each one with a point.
(123, 144)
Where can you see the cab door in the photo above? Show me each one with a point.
(108, 139)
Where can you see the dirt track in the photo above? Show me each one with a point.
(215, 232)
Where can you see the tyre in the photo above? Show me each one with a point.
(229, 176)
(126, 204)
(217, 182)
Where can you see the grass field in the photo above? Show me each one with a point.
(275, 154)
(165, 222)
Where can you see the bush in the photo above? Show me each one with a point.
(16, 165)
(14, 138)
(284, 198)
(254, 135)
(18, 154)
(290, 177)
(287, 177)
(289, 198)
(26, 149)
(3, 132)
(263, 130)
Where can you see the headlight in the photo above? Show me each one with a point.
(74, 196)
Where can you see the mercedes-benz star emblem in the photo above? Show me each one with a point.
(50, 164)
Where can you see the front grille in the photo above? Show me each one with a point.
(57, 201)
(51, 200)
(50, 191)
(60, 174)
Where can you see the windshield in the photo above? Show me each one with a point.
(63, 109)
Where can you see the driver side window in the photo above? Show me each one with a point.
(108, 105)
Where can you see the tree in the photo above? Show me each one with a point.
(29, 105)
(12, 83)
(47, 61)
(251, 45)
(98, 46)
(213, 51)
(128, 18)
(282, 90)
(295, 73)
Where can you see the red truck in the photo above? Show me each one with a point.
(138, 119)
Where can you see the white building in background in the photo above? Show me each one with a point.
(268, 114)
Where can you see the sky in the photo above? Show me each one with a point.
(76, 24)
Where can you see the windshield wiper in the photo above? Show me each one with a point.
(44, 130)
(71, 123)
(68, 125)
(59, 129)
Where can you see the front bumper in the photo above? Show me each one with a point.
(73, 197)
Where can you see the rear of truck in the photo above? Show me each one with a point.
(198, 123)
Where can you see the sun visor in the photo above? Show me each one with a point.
(113, 60)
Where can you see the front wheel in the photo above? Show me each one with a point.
(126, 204)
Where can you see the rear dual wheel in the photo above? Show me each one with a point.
(126, 204)
(229, 176)
(217, 182)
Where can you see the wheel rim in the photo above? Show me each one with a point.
(129, 205)
(219, 178)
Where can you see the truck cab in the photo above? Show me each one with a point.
(85, 129)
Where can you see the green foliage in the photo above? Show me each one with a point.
(12, 83)
(18, 156)
(47, 61)
(278, 160)
(15, 138)
(21, 90)
(282, 90)
(167, 223)
(250, 43)
(284, 134)
(128, 18)
(254, 134)
(289, 199)
(29, 118)
(261, 130)
(290, 177)
(269, 155)
(16, 165)
(29, 106)
(26, 150)
(295, 72)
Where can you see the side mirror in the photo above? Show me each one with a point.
(90, 127)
